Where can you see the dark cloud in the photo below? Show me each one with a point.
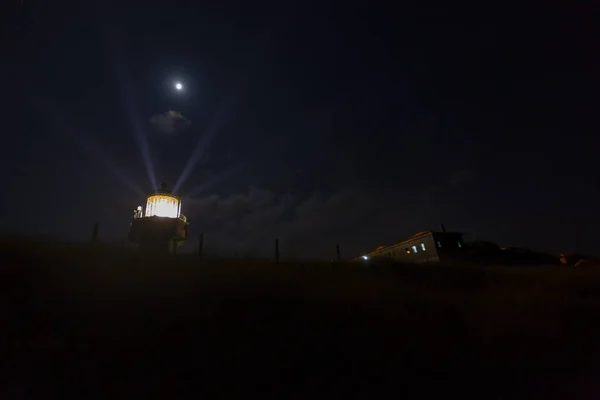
(246, 224)
(169, 123)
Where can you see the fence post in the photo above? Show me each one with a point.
(200, 244)
(276, 251)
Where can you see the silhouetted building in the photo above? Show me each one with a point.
(428, 246)
(160, 227)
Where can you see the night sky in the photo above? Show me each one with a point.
(319, 123)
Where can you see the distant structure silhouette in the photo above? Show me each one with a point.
(427, 246)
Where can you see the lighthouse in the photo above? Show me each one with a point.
(160, 227)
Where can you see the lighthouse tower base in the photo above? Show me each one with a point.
(158, 235)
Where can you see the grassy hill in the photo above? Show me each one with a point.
(99, 321)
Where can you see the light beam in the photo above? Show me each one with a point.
(230, 172)
(137, 125)
(203, 144)
(87, 143)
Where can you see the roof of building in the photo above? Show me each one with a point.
(416, 235)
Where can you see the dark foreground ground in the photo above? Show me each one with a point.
(99, 323)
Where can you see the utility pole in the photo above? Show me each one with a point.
(276, 251)
(337, 250)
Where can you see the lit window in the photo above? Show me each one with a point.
(459, 244)
(414, 249)
(423, 246)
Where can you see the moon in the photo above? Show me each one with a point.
(178, 86)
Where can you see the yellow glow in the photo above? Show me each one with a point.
(162, 206)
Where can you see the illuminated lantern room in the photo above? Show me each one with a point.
(163, 204)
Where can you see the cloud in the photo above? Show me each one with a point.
(246, 224)
(169, 123)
